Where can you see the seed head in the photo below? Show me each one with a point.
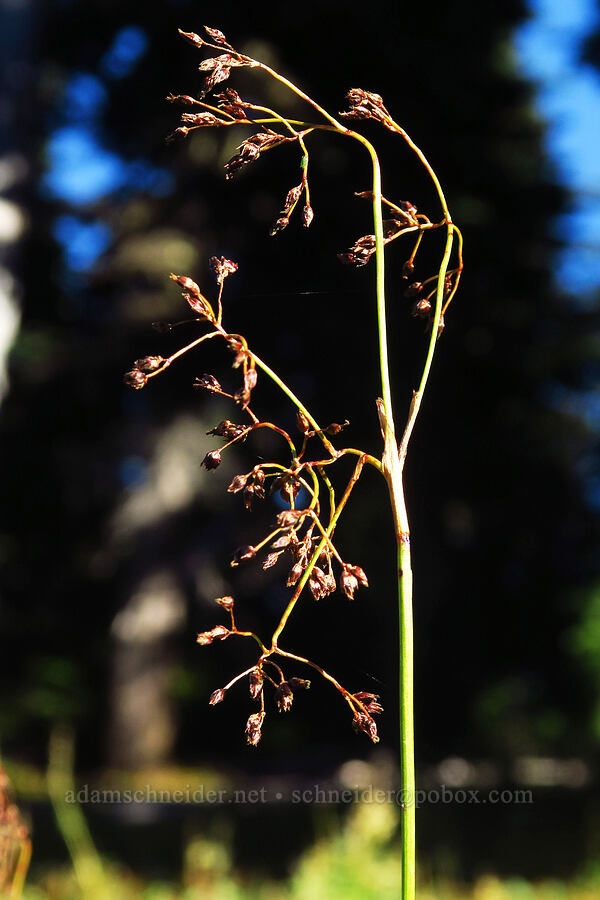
(218, 633)
(284, 697)
(242, 553)
(279, 225)
(370, 701)
(307, 215)
(320, 584)
(135, 379)
(227, 430)
(222, 267)
(217, 696)
(181, 132)
(271, 559)
(256, 683)
(297, 684)
(282, 541)
(182, 99)
(336, 427)
(238, 483)
(225, 602)
(295, 574)
(212, 460)
(208, 383)
(421, 309)
(231, 102)
(149, 363)
(291, 517)
(350, 579)
(215, 35)
(200, 120)
(193, 38)
(363, 722)
(293, 195)
(359, 575)
(253, 728)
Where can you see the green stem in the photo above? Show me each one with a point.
(392, 470)
(290, 394)
(407, 724)
(386, 391)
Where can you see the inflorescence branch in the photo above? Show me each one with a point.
(304, 534)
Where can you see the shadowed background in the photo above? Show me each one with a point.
(114, 542)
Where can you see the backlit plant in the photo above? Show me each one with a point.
(305, 534)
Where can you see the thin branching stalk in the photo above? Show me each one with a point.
(304, 533)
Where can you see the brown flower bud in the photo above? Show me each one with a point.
(284, 697)
(363, 722)
(320, 584)
(359, 575)
(271, 559)
(299, 683)
(190, 36)
(181, 132)
(302, 422)
(228, 429)
(253, 728)
(225, 602)
(217, 696)
(295, 574)
(242, 397)
(215, 35)
(135, 379)
(282, 541)
(218, 633)
(253, 492)
(408, 268)
(256, 683)
(149, 363)
(238, 483)
(348, 583)
(200, 120)
(225, 59)
(292, 197)
(335, 428)
(279, 225)
(370, 701)
(421, 309)
(250, 379)
(231, 102)
(219, 73)
(242, 553)
(307, 215)
(212, 459)
(222, 267)
(290, 517)
(208, 383)
(182, 99)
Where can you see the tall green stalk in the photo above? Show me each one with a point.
(393, 465)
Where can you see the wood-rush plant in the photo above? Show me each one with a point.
(306, 534)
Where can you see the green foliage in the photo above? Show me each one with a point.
(585, 645)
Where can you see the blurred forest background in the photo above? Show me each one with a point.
(114, 542)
